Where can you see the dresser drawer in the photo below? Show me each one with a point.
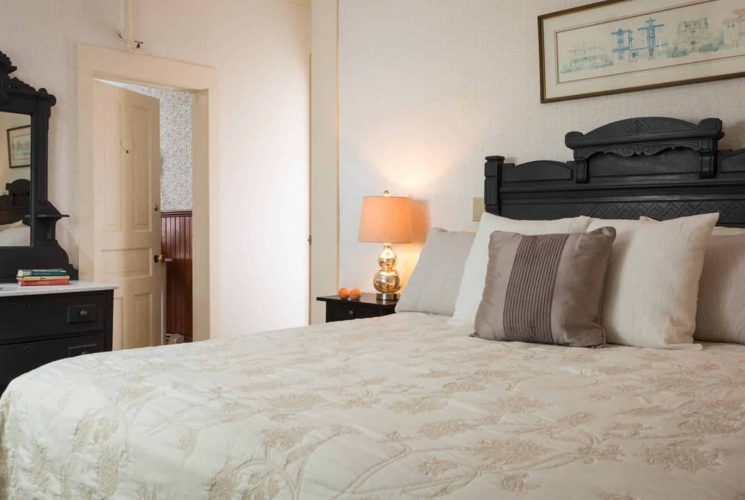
(16, 359)
(25, 318)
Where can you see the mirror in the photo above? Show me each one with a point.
(15, 179)
(28, 220)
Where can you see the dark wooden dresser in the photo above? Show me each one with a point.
(39, 325)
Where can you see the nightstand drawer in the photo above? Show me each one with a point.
(342, 312)
(25, 318)
(16, 359)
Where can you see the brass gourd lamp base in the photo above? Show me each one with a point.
(386, 280)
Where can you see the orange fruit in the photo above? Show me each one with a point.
(343, 293)
(355, 294)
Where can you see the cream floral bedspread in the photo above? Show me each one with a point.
(398, 407)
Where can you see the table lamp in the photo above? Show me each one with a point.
(386, 219)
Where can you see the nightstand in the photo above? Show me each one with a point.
(367, 307)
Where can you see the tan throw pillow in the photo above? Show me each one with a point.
(433, 285)
(721, 298)
(653, 277)
(474, 274)
(545, 289)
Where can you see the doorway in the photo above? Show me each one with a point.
(175, 209)
(200, 83)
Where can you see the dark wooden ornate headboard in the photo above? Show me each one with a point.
(15, 205)
(659, 167)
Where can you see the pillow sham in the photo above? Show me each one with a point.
(721, 298)
(474, 274)
(12, 225)
(718, 230)
(545, 289)
(432, 287)
(651, 289)
(15, 235)
(721, 292)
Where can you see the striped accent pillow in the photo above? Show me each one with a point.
(545, 289)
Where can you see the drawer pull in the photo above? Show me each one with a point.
(83, 313)
(350, 313)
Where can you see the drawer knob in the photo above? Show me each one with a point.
(351, 313)
(83, 313)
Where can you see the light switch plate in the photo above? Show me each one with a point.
(478, 208)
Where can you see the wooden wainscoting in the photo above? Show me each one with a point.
(176, 245)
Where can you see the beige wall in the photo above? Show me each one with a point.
(430, 87)
(260, 50)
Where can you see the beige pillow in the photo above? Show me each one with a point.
(721, 298)
(433, 285)
(474, 275)
(727, 231)
(651, 289)
(546, 289)
(718, 230)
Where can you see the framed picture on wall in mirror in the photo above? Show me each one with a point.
(19, 147)
(623, 45)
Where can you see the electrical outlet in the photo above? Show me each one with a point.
(478, 208)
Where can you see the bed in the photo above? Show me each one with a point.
(410, 405)
(14, 212)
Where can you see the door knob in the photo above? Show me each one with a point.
(160, 259)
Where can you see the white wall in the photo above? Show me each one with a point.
(430, 87)
(260, 50)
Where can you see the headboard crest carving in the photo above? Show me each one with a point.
(655, 166)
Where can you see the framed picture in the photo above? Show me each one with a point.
(19, 147)
(624, 45)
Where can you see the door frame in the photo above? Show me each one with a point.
(99, 63)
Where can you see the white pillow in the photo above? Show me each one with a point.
(718, 230)
(433, 285)
(652, 283)
(474, 274)
(15, 236)
(12, 225)
(721, 299)
(720, 316)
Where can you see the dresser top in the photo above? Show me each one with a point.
(15, 290)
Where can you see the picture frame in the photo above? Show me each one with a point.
(19, 147)
(616, 46)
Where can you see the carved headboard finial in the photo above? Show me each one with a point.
(6, 65)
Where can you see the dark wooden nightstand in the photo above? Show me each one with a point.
(367, 307)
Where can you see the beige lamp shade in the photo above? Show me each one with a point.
(385, 219)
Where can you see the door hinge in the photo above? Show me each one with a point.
(310, 239)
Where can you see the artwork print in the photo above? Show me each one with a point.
(19, 147)
(634, 44)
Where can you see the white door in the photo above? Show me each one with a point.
(127, 212)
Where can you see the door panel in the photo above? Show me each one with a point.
(127, 217)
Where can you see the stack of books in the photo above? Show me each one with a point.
(42, 277)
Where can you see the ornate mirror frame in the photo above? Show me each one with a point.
(44, 251)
